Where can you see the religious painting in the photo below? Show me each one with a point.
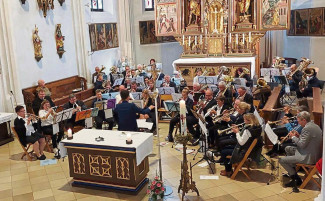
(291, 30)
(243, 15)
(147, 34)
(315, 21)
(109, 35)
(101, 37)
(301, 21)
(274, 14)
(167, 22)
(115, 35)
(149, 5)
(92, 36)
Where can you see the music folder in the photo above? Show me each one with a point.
(84, 114)
(101, 105)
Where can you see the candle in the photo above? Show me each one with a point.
(243, 38)
(183, 39)
(229, 37)
(128, 138)
(70, 133)
(206, 31)
(250, 37)
(236, 39)
(201, 40)
(182, 113)
(189, 40)
(195, 40)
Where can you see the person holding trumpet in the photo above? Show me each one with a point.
(77, 106)
(47, 115)
(28, 132)
(244, 138)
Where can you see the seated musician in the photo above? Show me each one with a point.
(77, 106)
(39, 99)
(168, 83)
(101, 113)
(245, 97)
(95, 74)
(151, 86)
(218, 111)
(108, 87)
(28, 133)
(198, 74)
(99, 83)
(308, 150)
(223, 90)
(126, 113)
(147, 101)
(41, 85)
(283, 131)
(47, 114)
(133, 73)
(240, 73)
(134, 87)
(146, 82)
(229, 140)
(127, 69)
(127, 83)
(118, 97)
(294, 79)
(244, 138)
(190, 119)
(313, 81)
(140, 71)
(262, 92)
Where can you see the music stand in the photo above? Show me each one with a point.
(197, 96)
(118, 82)
(158, 83)
(117, 76)
(207, 80)
(101, 105)
(138, 79)
(110, 95)
(177, 81)
(84, 114)
(111, 103)
(213, 88)
(137, 95)
(138, 103)
(172, 106)
(281, 79)
(166, 90)
(94, 112)
(176, 96)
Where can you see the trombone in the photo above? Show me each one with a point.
(279, 121)
(242, 125)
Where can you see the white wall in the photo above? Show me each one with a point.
(108, 57)
(164, 53)
(22, 21)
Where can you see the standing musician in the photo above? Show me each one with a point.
(190, 119)
(28, 133)
(231, 119)
(101, 113)
(39, 99)
(169, 83)
(223, 90)
(294, 78)
(262, 92)
(47, 115)
(245, 97)
(147, 101)
(308, 150)
(240, 73)
(244, 138)
(312, 81)
(77, 106)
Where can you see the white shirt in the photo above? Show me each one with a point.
(118, 98)
(196, 80)
(48, 121)
(29, 127)
(219, 110)
(243, 139)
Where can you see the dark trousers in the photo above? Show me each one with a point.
(228, 140)
(152, 119)
(224, 153)
(56, 138)
(190, 122)
(70, 123)
(280, 148)
(99, 122)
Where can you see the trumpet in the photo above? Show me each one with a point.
(279, 121)
(242, 125)
(219, 117)
(34, 117)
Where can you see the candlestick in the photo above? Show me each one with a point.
(70, 136)
(182, 113)
(128, 138)
(243, 38)
(229, 37)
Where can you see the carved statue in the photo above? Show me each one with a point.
(45, 5)
(59, 40)
(195, 12)
(37, 45)
(243, 9)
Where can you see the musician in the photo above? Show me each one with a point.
(151, 86)
(190, 119)
(127, 69)
(28, 133)
(244, 138)
(198, 74)
(295, 79)
(239, 73)
(262, 92)
(140, 71)
(147, 101)
(313, 81)
(77, 106)
(308, 150)
(230, 139)
(219, 109)
(133, 73)
(108, 87)
(146, 82)
(95, 74)
(134, 87)
(168, 83)
(47, 115)
(39, 99)
(41, 85)
(101, 113)
(99, 83)
(245, 97)
(127, 83)
(118, 98)
(223, 90)
(126, 113)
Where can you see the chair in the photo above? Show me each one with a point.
(161, 110)
(256, 104)
(26, 153)
(239, 166)
(310, 171)
(47, 141)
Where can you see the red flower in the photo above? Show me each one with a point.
(152, 187)
(156, 178)
(148, 191)
(158, 184)
(154, 182)
(162, 188)
(157, 192)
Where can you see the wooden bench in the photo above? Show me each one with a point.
(60, 89)
(317, 106)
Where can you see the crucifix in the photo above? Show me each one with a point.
(215, 20)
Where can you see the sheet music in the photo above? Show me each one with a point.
(259, 118)
(213, 87)
(118, 82)
(89, 122)
(240, 81)
(101, 105)
(176, 96)
(270, 134)
(138, 103)
(143, 124)
(110, 96)
(203, 127)
(207, 79)
(137, 95)
(172, 106)
(166, 90)
(269, 71)
(55, 128)
(108, 113)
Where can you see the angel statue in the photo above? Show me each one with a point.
(195, 11)
(37, 45)
(243, 9)
(59, 40)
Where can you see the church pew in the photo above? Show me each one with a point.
(317, 106)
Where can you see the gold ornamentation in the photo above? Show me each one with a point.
(243, 9)
(37, 45)
(59, 41)
(45, 5)
(195, 11)
(100, 166)
(78, 161)
(122, 168)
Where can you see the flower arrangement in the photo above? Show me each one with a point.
(156, 189)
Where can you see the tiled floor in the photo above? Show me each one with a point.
(24, 180)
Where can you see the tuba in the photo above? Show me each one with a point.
(245, 72)
(113, 69)
(102, 69)
(308, 72)
(305, 62)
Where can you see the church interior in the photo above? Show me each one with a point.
(162, 100)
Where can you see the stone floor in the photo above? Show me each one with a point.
(24, 180)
